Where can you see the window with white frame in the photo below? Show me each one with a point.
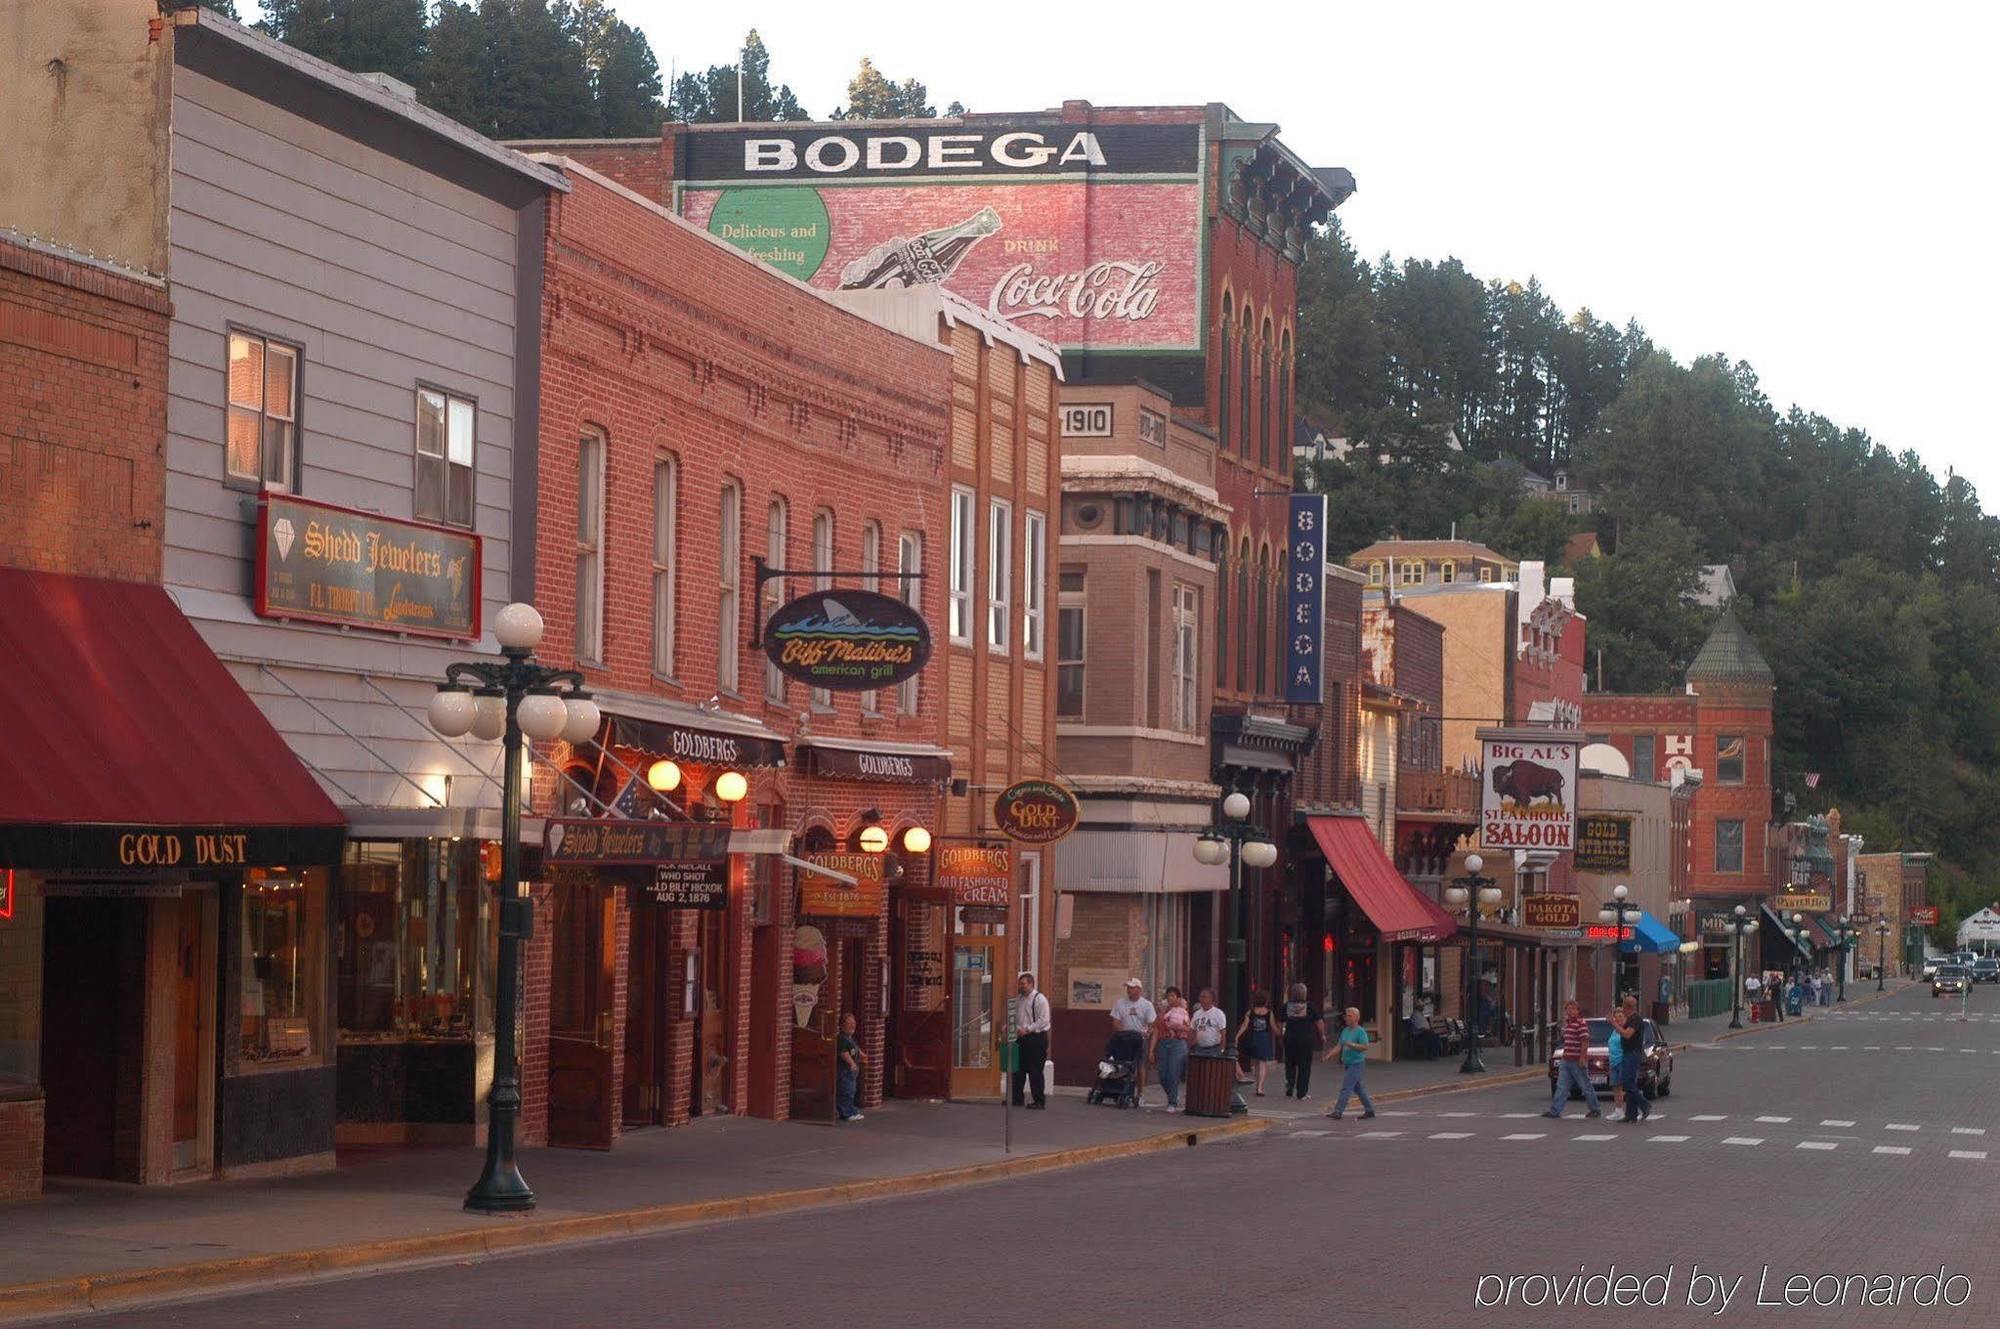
(590, 545)
(1187, 658)
(871, 580)
(1412, 572)
(666, 534)
(822, 580)
(1375, 573)
(445, 428)
(263, 420)
(1069, 643)
(962, 537)
(728, 616)
(776, 521)
(910, 558)
(999, 573)
(1034, 585)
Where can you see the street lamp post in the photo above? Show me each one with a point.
(1882, 931)
(1472, 890)
(513, 699)
(1614, 913)
(1843, 932)
(1741, 924)
(1241, 844)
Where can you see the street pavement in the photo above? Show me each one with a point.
(1860, 1149)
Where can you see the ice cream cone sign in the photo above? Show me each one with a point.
(808, 972)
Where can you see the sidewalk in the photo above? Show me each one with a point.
(87, 1244)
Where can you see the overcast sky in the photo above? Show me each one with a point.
(1809, 187)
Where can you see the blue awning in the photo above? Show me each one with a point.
(1651, 936)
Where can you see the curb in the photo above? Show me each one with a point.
(123, 1290)
(1761, 1028)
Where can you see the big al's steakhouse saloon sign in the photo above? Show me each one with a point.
(1010, 217)
(1528, 799)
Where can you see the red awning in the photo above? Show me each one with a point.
(1399, 910)
(119, 720)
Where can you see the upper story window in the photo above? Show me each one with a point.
(666, 559)
(910, 558)
(1729, 750)
(1243, 384)
(590, 546)
(1069, 644)
(445, 428)
(1448, 572)
(1412, 572)
(962, 536)
(263, 411)
(728, 612)
(1187, 657)
(1222, 613)
(1729, 846)
(1034, 584)
(1264, 389)
(1643, 766)
(999, 574)
(871, 580)
(1375, 573)
(1486, 574)
(776, 533)
(1225, 346)
(822, 580)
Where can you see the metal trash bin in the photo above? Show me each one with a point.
(1211, 1083)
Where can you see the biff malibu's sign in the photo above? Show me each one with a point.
(1528, 797)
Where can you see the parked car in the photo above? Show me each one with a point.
(1950, 978)
(1931, 963)
(1656, 1076)
(1986, 970)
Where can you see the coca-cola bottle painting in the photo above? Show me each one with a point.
(930, 257)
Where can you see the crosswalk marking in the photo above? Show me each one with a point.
(1833, 1121)
(1309, 1135)
(1817, 1144)
(1458, 1114)
(1979, 1154)
(1386, 1112)
(1743, 1139)
(1377, 1135)
(1891, 1149)
(1451, 1135)
(1596, 1137)
(1519, 1115)
(1901, 1126)
(1527, 1136)
(1968, 1130)
(1710, 1116)
(1774, 1121)
(1668, 1139)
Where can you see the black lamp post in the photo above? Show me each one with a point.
(1882, 930)
(1238, 841)
(1472, 890)
(512, 699)
(1614, 913)
(1843, 933)
(1741, 924)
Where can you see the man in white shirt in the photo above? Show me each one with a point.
(1031, 1028)
(1132, 1013)
(1210, 1025)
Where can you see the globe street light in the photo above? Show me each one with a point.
(1741, 924)
(1843, 933)
(1614, 913)
(517, 700)
(1241, 844)
(1472, 890)
(1882, 930)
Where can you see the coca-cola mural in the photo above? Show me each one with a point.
(1090, 239)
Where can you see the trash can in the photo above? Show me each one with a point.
(1211, 1081)
(1661, 1010)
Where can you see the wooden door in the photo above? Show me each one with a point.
(919, 1043)
(194, 1026)
(715, 1026)
(645, 1018)
(582, 1096)
(975, 988)
(816, 1024)
(84, 984)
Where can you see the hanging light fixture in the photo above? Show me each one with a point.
(663, 776)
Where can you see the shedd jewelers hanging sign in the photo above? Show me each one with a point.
(357, 569)
(1528, 800)
(848, 641)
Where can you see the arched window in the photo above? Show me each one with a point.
(1285, 402)
(1263, 620)
(1244, 422)
(1264, 396)
(1224, 345)
(1243, 616)
(1222, 617)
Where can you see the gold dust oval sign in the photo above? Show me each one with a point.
(1035, 811)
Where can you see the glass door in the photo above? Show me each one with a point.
(975, 1055)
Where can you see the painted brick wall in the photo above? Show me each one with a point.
(83, 411)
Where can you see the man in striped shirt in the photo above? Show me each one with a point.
(1571, 1069)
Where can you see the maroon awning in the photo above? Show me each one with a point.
(129, 745)
(1399, 910)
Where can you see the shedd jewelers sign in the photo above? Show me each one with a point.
(357, 569)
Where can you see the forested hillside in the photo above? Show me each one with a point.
(1872, 585)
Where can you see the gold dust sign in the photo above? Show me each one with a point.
(328, 564)
(171, 849)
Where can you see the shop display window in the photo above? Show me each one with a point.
(282, 958)
(415, 941)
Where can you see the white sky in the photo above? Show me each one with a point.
(1808, 186)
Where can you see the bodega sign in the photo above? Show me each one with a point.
(1528, 798)
(847, 641)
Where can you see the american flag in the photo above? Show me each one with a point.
(1812, 779)
(628, 803)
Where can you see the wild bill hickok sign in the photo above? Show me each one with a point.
(1528, 799)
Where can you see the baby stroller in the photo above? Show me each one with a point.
(1118, 1073)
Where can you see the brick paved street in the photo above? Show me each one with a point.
(1843, 1146)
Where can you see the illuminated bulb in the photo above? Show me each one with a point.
(917, 840)
(730, 786)
(664, 776)
(874, 839)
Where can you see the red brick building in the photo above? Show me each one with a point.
(704, 418)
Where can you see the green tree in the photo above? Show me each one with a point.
(226, 8)
(1644, 623)
(624, 76)
(313, 26)
(711, 97)
(873, 96)
(538, 85)
(455, 78)
(366, 36)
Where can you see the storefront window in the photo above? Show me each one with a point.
(282, 961)
(415, 941)
(20, 981)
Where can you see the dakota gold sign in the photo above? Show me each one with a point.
(327, 564)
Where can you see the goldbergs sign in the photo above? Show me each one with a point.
(849, 641)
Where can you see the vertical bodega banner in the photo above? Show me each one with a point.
(1528, 799)
(1305, 601)
(334, 565)
(1085, 235)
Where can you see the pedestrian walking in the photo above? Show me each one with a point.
(1256, 1037)
(1630, 1030)
(1208, 1025)
(1779, 987)
(1825, 987)
(1170, 1046)
(852, 1058)
(1031, 1032)
(1571, 1073)
(1353, 1049)
(1305, 1034)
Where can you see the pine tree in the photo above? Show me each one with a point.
(384, 36)
(625, 77)
(226, 8)
(711, 97)
(873, 96)
(456, 76)
(316, 27)
(539, 88)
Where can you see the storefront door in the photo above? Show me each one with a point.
(93, 1003)
(192, 922)
(647, 994)
(975, 1054)
(715, 1032)
(921, 1034)
(816, 1010)
(582, 1095)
